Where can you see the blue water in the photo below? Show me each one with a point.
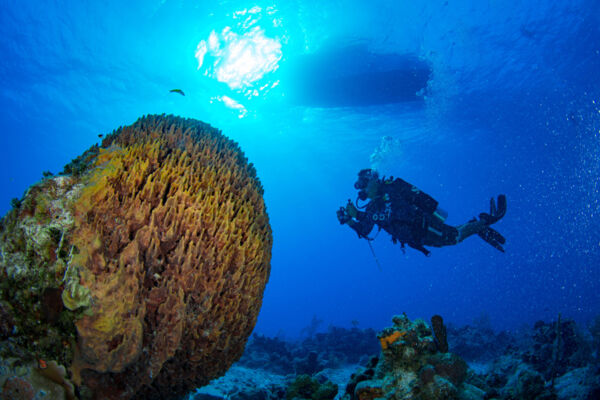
(512, 105)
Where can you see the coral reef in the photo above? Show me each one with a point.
(594, 329)
(551, 362)
(340, 346)
(332, 349)
(309, 364)
(306, 388)
(272, 354)
(34, 382)
(141, 268)
(439, 333)
(242, 383)
(510, 378)
(579, 384)
(363, 374)
(16, 388)
(501, 372)
(411, 367)
(478, 342)
(557, 347)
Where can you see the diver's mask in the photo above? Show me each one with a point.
(365, 176)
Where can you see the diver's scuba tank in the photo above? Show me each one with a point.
(440, 214)
(413, 195)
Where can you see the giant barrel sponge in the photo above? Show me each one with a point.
(142, 267)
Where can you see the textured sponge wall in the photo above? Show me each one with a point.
(173, 242)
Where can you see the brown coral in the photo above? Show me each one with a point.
(439, 332)
(174, 245)
(369, 390)
(142, 267)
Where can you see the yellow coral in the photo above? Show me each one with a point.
(76, 296)
(174, 244)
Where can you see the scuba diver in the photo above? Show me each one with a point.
(413, 217)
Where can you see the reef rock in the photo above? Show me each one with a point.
(411, 367)
(336, 348)
(141, 267)
(558, 346)
(240, 383)
(307, 388)
(579, 384)
(478, 343)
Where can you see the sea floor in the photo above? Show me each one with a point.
(547, 361)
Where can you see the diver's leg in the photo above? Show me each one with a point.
(441, 235)
(470, 228)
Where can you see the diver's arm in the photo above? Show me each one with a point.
(357, 220)
(362, 225)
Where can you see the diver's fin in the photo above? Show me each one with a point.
(493, 237)
(501, 209)
(496, 211)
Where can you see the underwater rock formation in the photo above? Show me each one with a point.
(553, 361)
(141, 268)
(505, 376)
(479, 344)
(338, 346)
(411, 367)
(332, 349)
(558, 346)
(240, 383)
(306, 388)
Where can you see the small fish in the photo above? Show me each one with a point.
(177, 91)
(42, 364)
(100, 135)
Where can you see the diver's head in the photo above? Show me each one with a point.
(367, 184)
(364, 176)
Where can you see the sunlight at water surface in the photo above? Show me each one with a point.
(241, 56)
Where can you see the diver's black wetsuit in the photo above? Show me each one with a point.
(413, 217)
(407, 214)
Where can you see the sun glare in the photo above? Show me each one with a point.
(240, 59)
(241, 56)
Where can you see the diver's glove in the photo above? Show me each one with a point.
(351, 209)
(496, 212)
(345, 214)
(342, 216)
